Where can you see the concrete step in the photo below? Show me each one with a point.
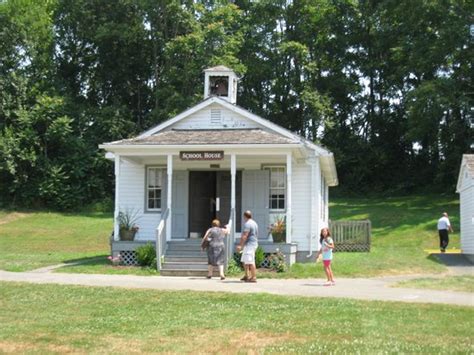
(184, 266)
(185, 242)
(179, 272)
(185, 254)
(184, 248)
(181, 259)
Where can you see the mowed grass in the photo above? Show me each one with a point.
(101, 265)
(402, 229)
(35, 239)
(464, 283)
(54, 318)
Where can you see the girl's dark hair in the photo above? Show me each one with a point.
(321, 237)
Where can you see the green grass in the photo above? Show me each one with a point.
(446, 283)
(403, 227)
(100, 265)
(38, 239)
(53, 318)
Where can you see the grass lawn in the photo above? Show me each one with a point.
(100, 265)
(450, 283)
(403, 227)
(54, 318)
(38, 239)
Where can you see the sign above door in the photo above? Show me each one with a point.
(212, 155)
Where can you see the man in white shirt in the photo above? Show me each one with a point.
(443, 227)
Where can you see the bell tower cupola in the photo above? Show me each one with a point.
(222, 82)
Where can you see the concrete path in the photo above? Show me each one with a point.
(362, 289)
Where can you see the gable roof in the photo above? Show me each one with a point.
(326, 158)
(467, 165)
(239, 110)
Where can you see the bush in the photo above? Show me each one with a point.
(146, 255)
(234, 267)
(259, 257)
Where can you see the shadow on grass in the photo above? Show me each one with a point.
(457, 260)
(93, 260)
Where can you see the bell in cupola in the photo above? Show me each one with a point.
(221, 81)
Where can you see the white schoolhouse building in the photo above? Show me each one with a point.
(216, 160)
(465, 188)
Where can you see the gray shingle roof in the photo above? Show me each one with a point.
(201, 137)
(218, 68)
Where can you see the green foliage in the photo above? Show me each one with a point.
(384, 85)
(146, 255)
(259, 256)
(128, 219)
(233, 267)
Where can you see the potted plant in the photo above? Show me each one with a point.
(127, 224)
(278, 230)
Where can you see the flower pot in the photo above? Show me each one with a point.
(279, 237)
(127, 235)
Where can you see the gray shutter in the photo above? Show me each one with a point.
(179, 205)
(164, 191)
(255, 197)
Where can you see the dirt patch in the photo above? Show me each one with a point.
(12, 217)
(21, 347)
(216, 341)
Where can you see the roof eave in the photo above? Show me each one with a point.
(115, 147)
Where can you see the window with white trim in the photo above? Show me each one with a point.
(277, 193)
(154, 185)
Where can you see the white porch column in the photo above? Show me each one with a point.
(169, 170)
(233, 173)
(288, 196)
(117, 195)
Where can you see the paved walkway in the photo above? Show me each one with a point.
(362, 289)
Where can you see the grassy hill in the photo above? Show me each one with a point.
(403, 227)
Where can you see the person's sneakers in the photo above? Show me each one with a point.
(333, 283)
(327, 283)
(244, 278)
(208, 277)
(443, 250)
(251, 280)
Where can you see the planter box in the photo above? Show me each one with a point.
(127, 235)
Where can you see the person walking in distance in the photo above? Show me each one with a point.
(444, 226)
(248, 245)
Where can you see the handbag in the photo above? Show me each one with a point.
(205, 243)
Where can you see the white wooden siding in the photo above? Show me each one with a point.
(467, 216)
(132, 193)
(208, 118)
(301, 206)
(132, 196)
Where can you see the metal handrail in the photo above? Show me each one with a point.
(159, 236)
(230, 238)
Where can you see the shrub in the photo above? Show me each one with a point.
(146, 255)
(259, 257)
(233, 267)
